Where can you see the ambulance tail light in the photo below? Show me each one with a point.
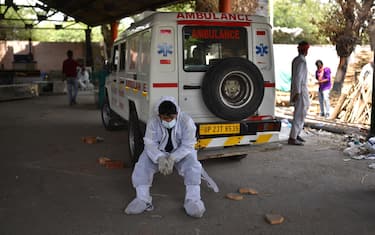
(269, 126)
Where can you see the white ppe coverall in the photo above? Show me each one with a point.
(83, 79)
(299, 86)
(185, 159)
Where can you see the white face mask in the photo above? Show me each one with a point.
(170, 124)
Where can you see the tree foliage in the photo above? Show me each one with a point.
(244, 6)
(238, 6)
(74, 33)
(302, 16)
(345, 24)
(187, 6)
(13, 27)
(207, 5)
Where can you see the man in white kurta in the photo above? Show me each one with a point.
(299, 94)
(169, 142)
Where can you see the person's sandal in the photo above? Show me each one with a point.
(300, 139)
(294, 142)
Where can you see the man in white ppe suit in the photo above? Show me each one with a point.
(299, 94)
(84, 78)
(169, 142)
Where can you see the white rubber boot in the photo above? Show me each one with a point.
(143, 201)
(193, 205)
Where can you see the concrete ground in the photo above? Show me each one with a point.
(51, 183)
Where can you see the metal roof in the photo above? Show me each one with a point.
(97, 12)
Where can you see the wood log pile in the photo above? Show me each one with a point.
(354, 105)
(282, 98)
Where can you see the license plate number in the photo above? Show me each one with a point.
(219, 129)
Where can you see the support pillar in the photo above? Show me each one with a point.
(89, 59)
(225, 6)
(114, 30)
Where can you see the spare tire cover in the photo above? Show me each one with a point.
(233, 89)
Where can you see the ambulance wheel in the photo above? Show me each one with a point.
(111, 121)
(135, 135)
(233, 89)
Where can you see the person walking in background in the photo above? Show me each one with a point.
(69, 70)
(323, 75)
(299, 94)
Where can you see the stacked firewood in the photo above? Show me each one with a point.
(354, 106)
(282, 98)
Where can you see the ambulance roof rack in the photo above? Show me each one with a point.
(142, 16)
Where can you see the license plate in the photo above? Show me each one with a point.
(219, 129)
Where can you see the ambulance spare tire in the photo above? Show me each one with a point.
(233, 89)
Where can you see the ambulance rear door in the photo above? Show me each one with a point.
(199, 47)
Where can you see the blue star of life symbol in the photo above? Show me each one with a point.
(261, 49)
(164, 49)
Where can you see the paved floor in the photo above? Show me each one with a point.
(51, 183)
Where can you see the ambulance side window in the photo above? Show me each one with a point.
(115, 58)
(133, 54)
(122, 56)
(144, 60)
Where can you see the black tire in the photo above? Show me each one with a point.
(135, 135)
(233, 89)
(111, 121)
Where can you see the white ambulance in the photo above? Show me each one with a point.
(218, 66)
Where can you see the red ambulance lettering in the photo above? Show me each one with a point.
(212, 16)
(215, 34)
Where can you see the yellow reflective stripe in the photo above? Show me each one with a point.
(263, 138)
(202, 143)
(233, 140)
